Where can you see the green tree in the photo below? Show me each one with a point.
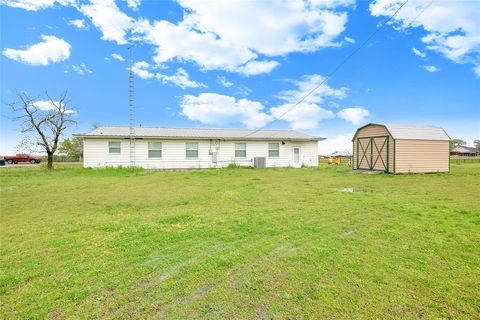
(456, 143)
(477, 144)
(73, 148)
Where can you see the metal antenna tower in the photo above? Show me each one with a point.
(131, 107)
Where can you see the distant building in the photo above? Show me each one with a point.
(342, 154)
(464, 151)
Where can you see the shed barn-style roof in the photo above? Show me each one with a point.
(200, 133)
(412, 132)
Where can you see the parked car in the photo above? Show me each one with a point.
(2, 161)
(22, 158)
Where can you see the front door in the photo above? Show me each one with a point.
(296, 156)
(214, 148)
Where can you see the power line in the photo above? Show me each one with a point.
(336, 68)
(419, 14)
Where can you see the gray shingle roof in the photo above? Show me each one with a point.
(413, 132)
(200, 133)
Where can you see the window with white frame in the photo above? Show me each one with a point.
(192, 150)
(114, 147)
(240, 150)
(273, 150)
(154, 149)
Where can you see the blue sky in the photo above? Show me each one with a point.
(242, 64)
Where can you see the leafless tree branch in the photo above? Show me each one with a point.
(48, 123)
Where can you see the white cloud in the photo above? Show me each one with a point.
(81, 69)
(349, 40)
(31, 5)
(179, 42)
(306, 84)
(337, 143)
(355, 115)
(431, 69)
(215, 36)
(216, 109)
(452, 26)
(224, 81)
(46, 105)
(303, 117)
(477, 70)
(105, 15)
(219, 110)
(257, 67)
(274, 27)
(419, 53)
(78, 23)
(118, 57)
(180, 79)
(50, 50)
(309, 113)
(35, 5)
(134, 4)
(332, 4)
(242, 89)
(141, 69)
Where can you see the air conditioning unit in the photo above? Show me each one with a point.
(259, 162)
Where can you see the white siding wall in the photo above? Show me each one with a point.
(173, 154)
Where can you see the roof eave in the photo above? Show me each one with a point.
(80, 135)
(371, 124)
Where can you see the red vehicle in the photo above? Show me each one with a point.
(21, 158)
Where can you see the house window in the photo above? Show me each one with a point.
(240, 150)
(273, 150)
(192, 150)
(154, 150)
(114, 147)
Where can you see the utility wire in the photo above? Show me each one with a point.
(419, 14)
(337, 67)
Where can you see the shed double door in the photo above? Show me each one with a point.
(372, 153)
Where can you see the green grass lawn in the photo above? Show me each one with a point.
(239, 244)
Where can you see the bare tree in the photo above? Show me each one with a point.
(26, 146)
(46, 118)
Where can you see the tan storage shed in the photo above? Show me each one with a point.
(401, 148)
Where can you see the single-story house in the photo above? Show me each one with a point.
(401, 148)
(464, 151)
(169, 148)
